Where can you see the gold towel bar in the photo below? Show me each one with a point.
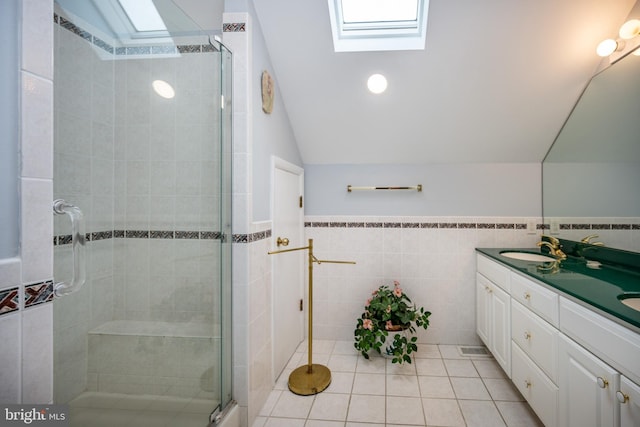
(350, 188)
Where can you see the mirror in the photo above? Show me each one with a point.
(591, 174)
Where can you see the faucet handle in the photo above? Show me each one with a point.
(588, 240)
(551, 239)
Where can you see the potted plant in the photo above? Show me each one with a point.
(390, 311)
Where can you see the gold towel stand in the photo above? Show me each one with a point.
(351, 188)
(310, 378)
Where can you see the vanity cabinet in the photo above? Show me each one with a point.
(574, 366)
(493, 311)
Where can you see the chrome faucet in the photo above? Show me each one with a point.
(554, 247)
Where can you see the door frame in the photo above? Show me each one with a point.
(283, 165)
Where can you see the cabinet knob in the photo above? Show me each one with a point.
(527, 383)
(602, 383)
(622, 398)
(527, 296)
(527, 335)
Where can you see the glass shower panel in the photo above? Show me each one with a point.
(150, 172)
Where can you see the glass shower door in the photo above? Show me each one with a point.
(146, 339)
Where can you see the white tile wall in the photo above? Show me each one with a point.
(435, 266)
(26, 366)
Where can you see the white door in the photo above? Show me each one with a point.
(287, 268)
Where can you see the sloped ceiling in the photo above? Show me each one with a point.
(495, 83)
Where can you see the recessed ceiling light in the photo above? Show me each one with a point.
(377, 83)
(163, 89)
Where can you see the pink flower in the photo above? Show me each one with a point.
(374, 292)
(368, 302)
(397, 292)
(389, 325)
(367, 324)
(396, 283)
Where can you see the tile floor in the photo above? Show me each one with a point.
(440, 388)
(94, 409)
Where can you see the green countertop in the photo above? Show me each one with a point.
(599, 287)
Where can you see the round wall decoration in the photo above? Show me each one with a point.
(268, 92)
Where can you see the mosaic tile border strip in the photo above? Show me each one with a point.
(234, 27)
(598, 226)
(253, 237)
(131, 50)
(9, 300)
(416, 225)
(142, 234)
(466, 225)
(38, 293)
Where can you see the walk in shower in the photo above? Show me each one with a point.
(142, 147)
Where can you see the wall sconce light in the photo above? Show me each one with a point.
(628, 30)
(608, 46)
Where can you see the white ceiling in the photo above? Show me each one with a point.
(495, 83)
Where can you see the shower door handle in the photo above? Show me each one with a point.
(78, 242)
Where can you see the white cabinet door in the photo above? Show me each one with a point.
(483, 309)
(501, 328)
(587, 388)
(629, 397)
(493, 320)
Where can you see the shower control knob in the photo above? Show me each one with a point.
(282, 241)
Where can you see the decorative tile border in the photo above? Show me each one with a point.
(38, 293)
(9, 301)
(466, 225)
(237, 27)
(622, 227)
(416, 225)
(132, 50)
(253, 237)
(141, 234)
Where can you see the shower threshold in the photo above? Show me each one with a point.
(93, 409)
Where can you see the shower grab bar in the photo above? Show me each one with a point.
(351, 188)
(61, 207)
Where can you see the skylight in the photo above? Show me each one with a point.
(370, 25)
(143, 15)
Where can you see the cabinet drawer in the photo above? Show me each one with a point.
(535, 386)
(537, 338)
(493, 271)
(613, 343)
(541, 301)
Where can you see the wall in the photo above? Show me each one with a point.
(505, 189)
(26, 359)
(272, 133)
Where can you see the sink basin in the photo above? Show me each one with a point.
(527, 256)
(631, 300)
